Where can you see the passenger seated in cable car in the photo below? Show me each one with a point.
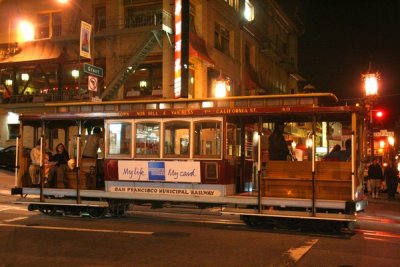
(345, 155)
(60, 170)
(34, 168)
(334, 154)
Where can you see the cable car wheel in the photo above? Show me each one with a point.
(96, 212)
(48, 210)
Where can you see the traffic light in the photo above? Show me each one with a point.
(379, 114)
(379, 117)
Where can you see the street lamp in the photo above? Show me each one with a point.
(370, 81)
(220, 87)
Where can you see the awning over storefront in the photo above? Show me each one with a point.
(32, 52)
(197, 48)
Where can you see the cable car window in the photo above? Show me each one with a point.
(231, 149)
(120, 138)
(207, 141)
(176, 139)
(147, 139)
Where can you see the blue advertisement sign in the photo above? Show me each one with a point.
(156, 171)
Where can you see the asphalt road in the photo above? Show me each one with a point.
(169, 237)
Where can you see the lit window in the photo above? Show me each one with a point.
(148, 139)
(248, 10)
(233, 3)
(48, 25)
(207, 139)
(176, 136)
(119, 134)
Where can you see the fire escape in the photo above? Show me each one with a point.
(140, 54)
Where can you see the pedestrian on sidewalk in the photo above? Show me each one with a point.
(391, 175)
(376, 176)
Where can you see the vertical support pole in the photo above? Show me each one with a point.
(239, 185)
(371, 126)
(78, 163)
(42, 144)
(259, 164)
(16, 160)
(313, 166)
(353, 166)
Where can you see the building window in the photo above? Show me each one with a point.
(233, 3)
(48, 25)
(248, 10)
(192, 15)
(222, 37)
(145, 81)
(100, 18)
(13, 131)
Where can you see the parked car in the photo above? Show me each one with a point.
(7, 157)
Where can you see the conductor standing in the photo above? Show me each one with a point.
(278, 149)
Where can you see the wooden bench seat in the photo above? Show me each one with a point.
(293, 179)
(87, 176)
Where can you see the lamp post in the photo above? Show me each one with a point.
(370, 83)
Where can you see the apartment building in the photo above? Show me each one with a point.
(249, 45)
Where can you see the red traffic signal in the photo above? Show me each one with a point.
(379, 114)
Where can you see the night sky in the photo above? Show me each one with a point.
(341, 38)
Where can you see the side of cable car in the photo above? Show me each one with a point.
(208, 153)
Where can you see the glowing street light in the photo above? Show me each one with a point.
(24, 77)
(26, 31)
(8, 82)
(75, 74)
(371, 86)
(220, 89)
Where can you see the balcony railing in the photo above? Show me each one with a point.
(144, 18)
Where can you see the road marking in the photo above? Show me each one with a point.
(296, 253)
(15, 219)
(11, 207)
(293, 255)
(75, 229)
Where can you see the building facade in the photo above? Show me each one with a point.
(250, 45)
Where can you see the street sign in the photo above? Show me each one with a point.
(92, 83)
(90, 69)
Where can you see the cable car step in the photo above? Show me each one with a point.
(63, 202)
(290, 214)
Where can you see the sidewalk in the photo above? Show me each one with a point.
(6, 182)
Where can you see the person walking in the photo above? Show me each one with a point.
(391, 175)
(376, 176)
